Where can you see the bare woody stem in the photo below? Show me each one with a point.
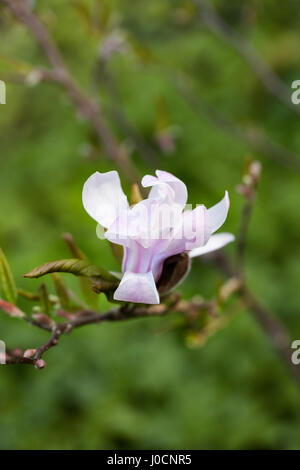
(60, 74)
(274, 329)
(253, 137)
(248, 189)
(271, 325)
(89, 317)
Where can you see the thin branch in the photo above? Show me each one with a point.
(60, 74)
(89, 317)
(104, 75)
(248, 189)
(243, 233)
(274, 329)
(217, 25)
(256, 139)
(268, 321)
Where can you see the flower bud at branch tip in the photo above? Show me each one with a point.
(42, 318)
(40, 364)
(29, 353)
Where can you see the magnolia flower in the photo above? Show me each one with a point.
(152, 230)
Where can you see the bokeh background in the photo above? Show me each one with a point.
(139, 384)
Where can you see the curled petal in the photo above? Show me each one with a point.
(103, 197)
(217, 214)
(214, 243)
(138, 288)
(166, 184)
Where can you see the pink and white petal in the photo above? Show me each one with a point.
(176, 184)
(103, 197)
(132, 224)
(136, 258)
(137, 288)
(217, 214)
(148, 180)
(214, 243)
(166, 186)
(159, 191)
(195, 230)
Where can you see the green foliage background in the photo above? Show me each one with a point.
(138, 384)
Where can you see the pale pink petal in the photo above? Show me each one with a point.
(195, 229)
(217, 214)
(214, 243)
(166, 184)
(176, 184)
(138, 288)
(103, 197)
(147, 222)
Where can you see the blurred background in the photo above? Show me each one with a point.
(179, 97)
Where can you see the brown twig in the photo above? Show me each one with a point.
(89, 317)
(105, 77)
(274, 329)
(60, 74)
(251, 136)
(268, 321)
(247, 189)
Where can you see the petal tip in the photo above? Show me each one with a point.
(137, 288)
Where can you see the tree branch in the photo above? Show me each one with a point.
(251, 136)
(268, 321)
(89, 317)
(217, 25)
(60, 74)
(106, 78)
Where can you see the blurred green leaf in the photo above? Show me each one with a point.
(90, 295)
(7, 282)
(62, 291)
(85, 284)
(44, 299)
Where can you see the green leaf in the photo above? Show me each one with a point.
(101, 285)
(7, 282)
(85, 284)
(74, 266)
(61, 291)
(44, 299)
(90, 296)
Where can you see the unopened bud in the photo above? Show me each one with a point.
(33, 78)
(42, 318)
(40, 364)
(255, 170)
(17, 352)
(228, 288)
(244, 190)
(29, 353)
